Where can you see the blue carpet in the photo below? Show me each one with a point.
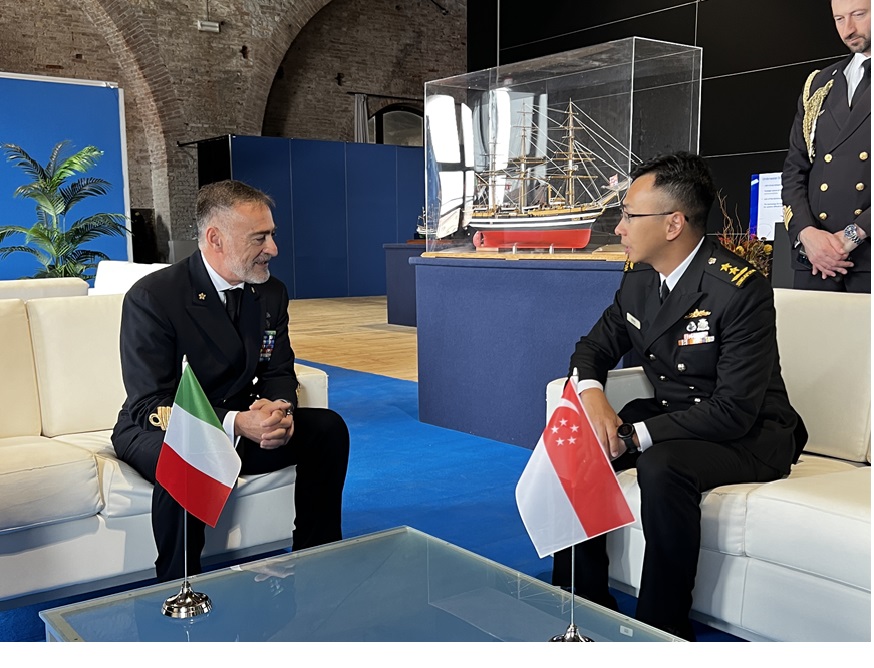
(448, 484)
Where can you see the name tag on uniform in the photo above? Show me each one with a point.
(634, 321)
(268, 341)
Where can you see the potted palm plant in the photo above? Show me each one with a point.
(57, 244)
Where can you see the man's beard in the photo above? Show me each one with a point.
(864, 46)
(255, 273)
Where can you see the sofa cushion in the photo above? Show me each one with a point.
(724, 510)
(18, 391)
(45, 482)
(37, 288)
(819, 525)
(838, 422)
(126, 493)
(79, 371)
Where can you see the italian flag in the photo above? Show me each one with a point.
(198, 465)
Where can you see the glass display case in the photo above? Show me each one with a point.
(534, 157)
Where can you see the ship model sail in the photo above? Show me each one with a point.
(562, 180)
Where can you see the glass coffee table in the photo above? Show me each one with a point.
(394, 585)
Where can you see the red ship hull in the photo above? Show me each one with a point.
(487, 240)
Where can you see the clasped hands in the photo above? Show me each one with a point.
(828, 252)
(268, 423)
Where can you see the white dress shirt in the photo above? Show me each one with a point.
(221, 285)
(854, 73)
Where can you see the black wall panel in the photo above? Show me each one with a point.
(743, 35)
(751, 112)
(676, 25)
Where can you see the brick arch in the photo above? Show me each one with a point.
(273, 50)
(147, 80)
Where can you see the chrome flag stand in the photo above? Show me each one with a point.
(189, 603)
(572, 633)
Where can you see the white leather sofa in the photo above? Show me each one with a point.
(791, 559)
(70, 512)
(117, 276)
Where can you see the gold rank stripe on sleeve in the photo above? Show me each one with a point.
(812, 106)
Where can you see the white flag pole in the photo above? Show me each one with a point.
(572, 633)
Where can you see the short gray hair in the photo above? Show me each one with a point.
(223, 195)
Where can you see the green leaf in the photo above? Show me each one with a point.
(84, 187)
(20, 158)
(60, 249)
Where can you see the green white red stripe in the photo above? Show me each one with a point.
(198, 465)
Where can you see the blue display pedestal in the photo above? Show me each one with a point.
(492, 333)
(400, 282)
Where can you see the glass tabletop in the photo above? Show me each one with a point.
(394, 585)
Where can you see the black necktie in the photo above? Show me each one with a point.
(664, 291)
(232, 303)
(862, 86)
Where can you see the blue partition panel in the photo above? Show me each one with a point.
(337, 204)
(372, 214)
(265, 163)
(36, 114)
(411, 191)
(318, 176)
(492, 333)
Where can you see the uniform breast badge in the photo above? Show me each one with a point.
(268, 341)
(697, 332)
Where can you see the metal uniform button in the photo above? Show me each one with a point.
(863, 155)
(824, 187)
(823, 215)
(697, 400)
(860, 186)
(681, 367)
(665, 403)
(827, 157)
(691, 387)
(652, 357)
(857, 212)
(662, 378)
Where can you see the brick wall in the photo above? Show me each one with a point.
(182, 85)
(379, 47)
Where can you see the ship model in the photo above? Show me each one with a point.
(564, 177)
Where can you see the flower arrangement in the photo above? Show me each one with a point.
(758, 252)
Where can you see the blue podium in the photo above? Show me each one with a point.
(492, 333)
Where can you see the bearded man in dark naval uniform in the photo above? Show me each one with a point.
(827, 174)
(703, 322)
(223, 310)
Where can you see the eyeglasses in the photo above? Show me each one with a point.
(628, 216)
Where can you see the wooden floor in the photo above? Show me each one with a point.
(353, 333)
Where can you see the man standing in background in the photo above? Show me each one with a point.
(827, 174)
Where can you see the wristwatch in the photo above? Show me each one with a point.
(290, 409)
(626, 433)
(850, 232)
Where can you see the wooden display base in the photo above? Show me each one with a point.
(509, 255)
